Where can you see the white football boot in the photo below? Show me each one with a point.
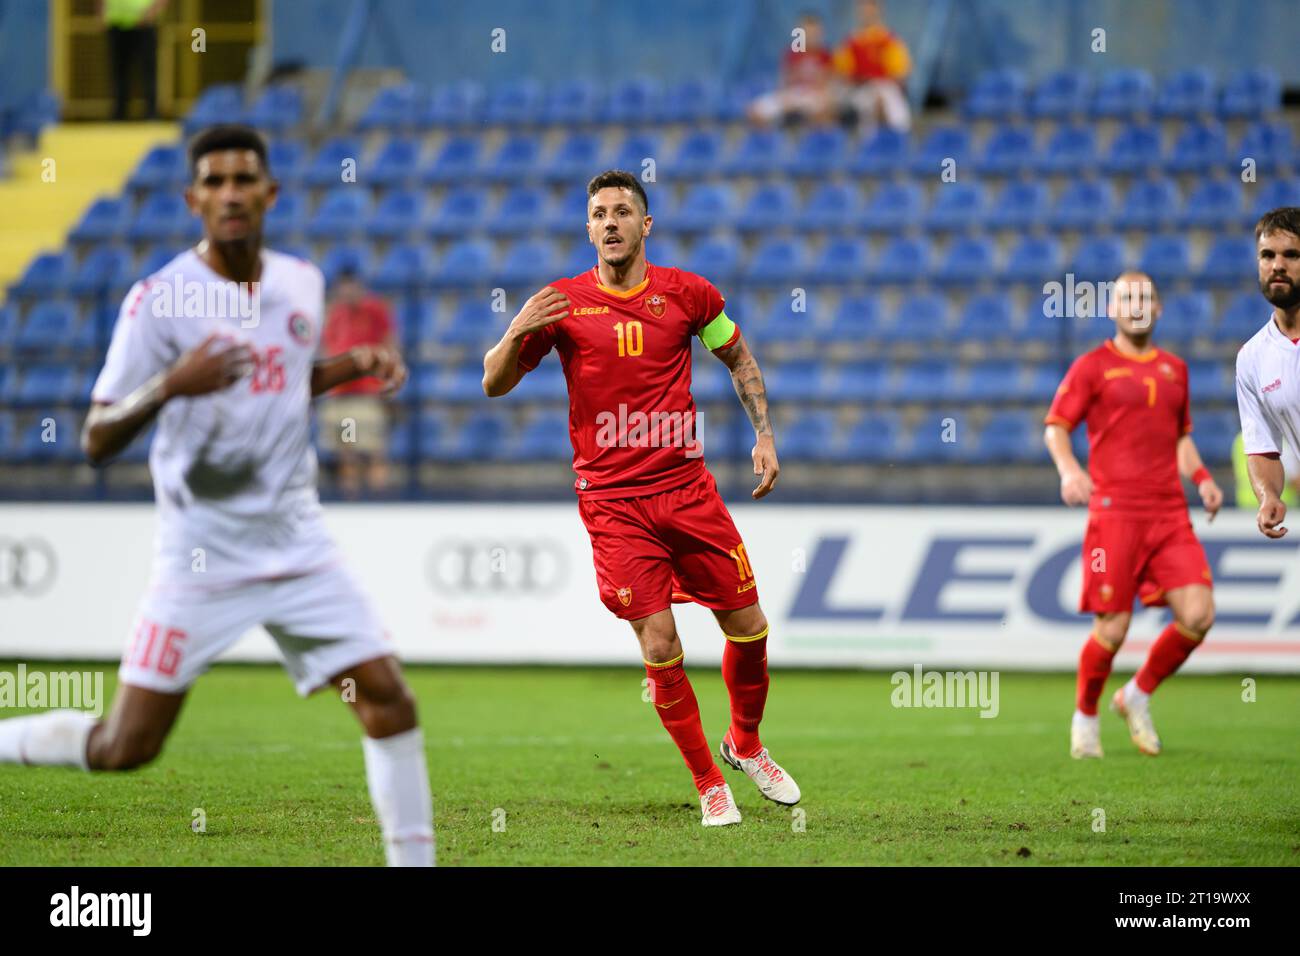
(718, 807)
(1132, 705)
(772, 781)
(1085, 736)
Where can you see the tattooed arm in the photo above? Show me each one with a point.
(748, 382)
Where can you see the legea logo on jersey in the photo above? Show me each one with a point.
(638, 429)
(179, 299)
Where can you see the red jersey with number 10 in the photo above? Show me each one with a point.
(627, 362)
(1137, 408)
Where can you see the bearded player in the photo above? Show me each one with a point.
(1139, 540)
(241, 540)
(659, 529)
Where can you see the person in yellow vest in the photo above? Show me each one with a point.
(1245, 496)
(875, 63)
(132, 48)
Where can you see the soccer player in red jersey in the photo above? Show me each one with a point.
(1136, 402)
(659, 529)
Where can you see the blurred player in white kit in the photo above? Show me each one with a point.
(229, 374)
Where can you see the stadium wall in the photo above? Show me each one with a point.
(843, 587)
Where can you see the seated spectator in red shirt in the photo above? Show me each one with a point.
(353, 417)
(876, 64)
(806, 75)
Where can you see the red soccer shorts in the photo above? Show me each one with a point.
(1144, 555)
(677, 545)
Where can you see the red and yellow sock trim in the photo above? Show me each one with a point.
(753, 637)
(1188, 633)
(675, 660)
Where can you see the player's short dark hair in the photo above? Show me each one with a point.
(1281, 219)
(227, 136)
(620, 179)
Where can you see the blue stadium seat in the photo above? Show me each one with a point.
(7, 429)
(8, 326)
(1245, 315)
(1213, 204)
(880, 154)
(1215, 433)
(104, 221)
(580, 258)
(345, 257)
(634, 101)
(1166, 258)
(398, 215)
(857, 319)
(873, 438)
(394, 109)
(1270, 195)
(101, 270)
(286, 219)
(782, 323)
(969, 260)
(466, 263)
(473, 323)
(457, 161)
(1007, 152)
(698, 154)
(987, 317)
(757, 154)
(287, 159)
(957, 206)
(567, 215)
(1071, 149)
(822, 151)
(153, 259)
(1099, 259)
(162, 216)
(520, 212)
(777, 260)
(800, 380)
(528, 262)
(1084, 204)
(46, 384)
(1008, 437)
(1123, 93)
(219, 103)
(1270, 145)
(1148, 204)
(394, 165)
(841, 261)
(341, 214)
(461, 213)
(545, 438)
(64, 448)
(1211, 381)
(1186, 94)
(1020, 206)
(1033, 261)
(866, 381)
(919, 317)
(1186, 316)
(576, 157)
(1251, 93)
(1135, 149)
(1045, 379)
(1230, 261)
(455, 106)
(483, 436)
(996, 94)
(892, 207)
(50, 327)
(47, 275)
(995, 381)
(692, 101)
(404, 267)
(927, 443)
(718, 258)
(327, 167)
(419, 323)
(705, 207)
(1199, 148)
(515, 159)
(832, 206)
(903, 260)
(279, 108)
(942, 144)
(1062, 95)
(514, 103)
(633, 151)
(162, 168)
(809, 435)
(574, 102)
(770, 206)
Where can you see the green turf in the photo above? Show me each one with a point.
(585, 775)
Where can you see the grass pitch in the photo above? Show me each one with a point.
(569, 766)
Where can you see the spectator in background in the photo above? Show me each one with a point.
(132, 48)
(354, 417)
(807, 72)
(875, 64)
(1246, 495)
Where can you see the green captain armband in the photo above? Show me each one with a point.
(718, 332)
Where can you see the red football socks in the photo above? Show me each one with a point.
(1094, 667)
(744, 669)
(675, 702)
(1167, 654)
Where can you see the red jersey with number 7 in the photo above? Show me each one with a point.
(627, 361)
(1136, 408)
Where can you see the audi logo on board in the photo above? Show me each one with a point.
(27, 566)
(500, 568)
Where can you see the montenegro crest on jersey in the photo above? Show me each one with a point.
(300, 328)
(624, 596)
(1106, 593)
(656, 304)
(1167, 370)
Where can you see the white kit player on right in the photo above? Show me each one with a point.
(220, 346)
